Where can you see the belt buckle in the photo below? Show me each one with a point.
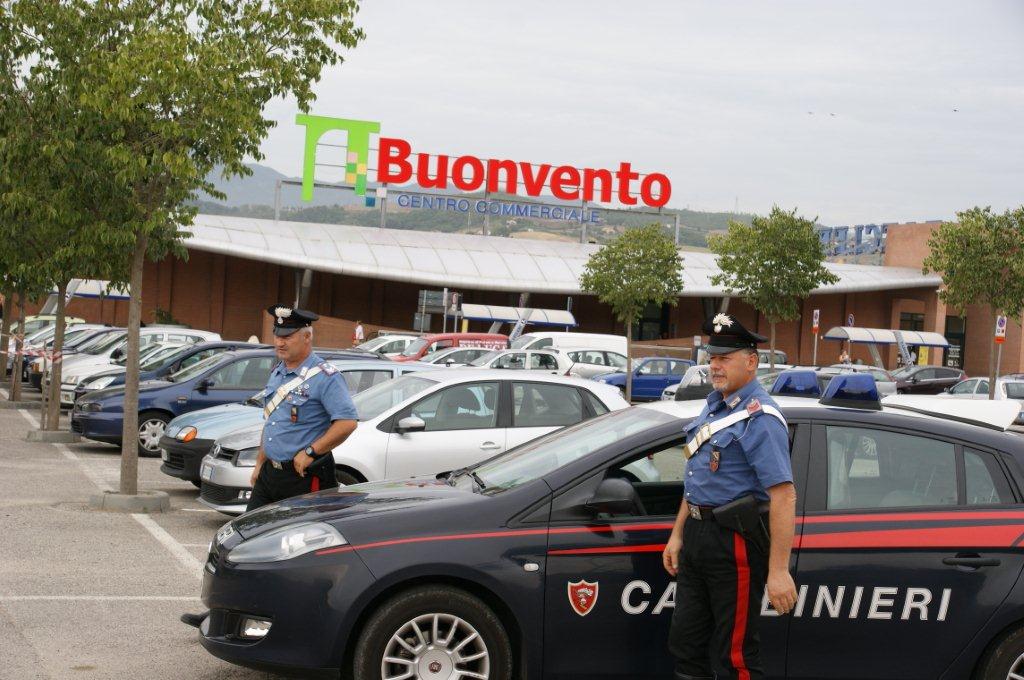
(276, 464)
(695, 512)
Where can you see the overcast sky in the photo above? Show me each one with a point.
(855, 112)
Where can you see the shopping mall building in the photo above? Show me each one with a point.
(238, 266)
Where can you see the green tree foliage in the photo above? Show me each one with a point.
(981, 259)
(773, 263)
(640, 267)
(146, 98)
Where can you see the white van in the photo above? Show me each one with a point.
(540, 340)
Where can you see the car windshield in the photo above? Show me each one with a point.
(159, 357)
(435, 355)
(521, 342)
(36, 324)
(107, 343)
(372, 345)
(1014, 390)
(902, 372)
(414, 347)
(544, 455)
(375, 400)
(486, 358)
(195, 369)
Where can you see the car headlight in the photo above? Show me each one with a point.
(92, 406)
(71, 379)
(247, 457)
(286, 543)
(100, 383)
(186, 434)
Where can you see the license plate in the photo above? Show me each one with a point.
(206, 472)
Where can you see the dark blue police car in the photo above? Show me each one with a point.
(544, 563)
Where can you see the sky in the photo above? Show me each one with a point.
(854, 112)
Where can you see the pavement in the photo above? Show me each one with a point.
(90, 594)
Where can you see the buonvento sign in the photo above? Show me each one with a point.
(397, 163)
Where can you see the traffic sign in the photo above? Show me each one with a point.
(814, 323)
(1000, 329)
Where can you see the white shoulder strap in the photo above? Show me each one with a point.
(707, 430)
(284, 389)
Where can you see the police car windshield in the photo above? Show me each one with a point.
(375, 400)
(485, 359)
(195, 369)
(536, 459)
(414, 348)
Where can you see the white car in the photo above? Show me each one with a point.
(71, 379)
(455, 356)
(388, 344)
(977, 388)
(559, 339)
(432, 422)
(588, 362)
(116, 344)
(524, 360)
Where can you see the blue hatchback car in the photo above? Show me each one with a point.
(219, 379)
(651, 375)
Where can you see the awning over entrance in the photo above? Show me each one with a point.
(884, 336)
(537, 317)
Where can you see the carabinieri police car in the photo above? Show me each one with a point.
(542, 563)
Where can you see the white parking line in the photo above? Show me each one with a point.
(97, 598)
(184, 557)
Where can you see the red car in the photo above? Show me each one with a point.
(431, 343)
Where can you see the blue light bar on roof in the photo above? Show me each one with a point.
(853, 390)
(797, 384)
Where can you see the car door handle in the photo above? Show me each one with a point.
(971, 560)
(489, 446)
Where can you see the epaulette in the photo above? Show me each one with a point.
(328, 368)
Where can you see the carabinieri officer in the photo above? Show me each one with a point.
(308, 412)
(738, 471)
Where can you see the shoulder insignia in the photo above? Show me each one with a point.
(733, 402)
(328, 368)
(753, 406)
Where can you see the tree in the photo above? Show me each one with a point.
(149, 97)
(772, 264)
(981, 259)
(640, 267)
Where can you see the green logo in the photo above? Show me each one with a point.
(357, 160)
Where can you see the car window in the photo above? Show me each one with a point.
(986, 483)
(197, 357)
(966, 387)
(588, 357)
(358, 381)
(541, 361)
(485, 358)
(386, 395)
(544, 405)
(1013, 390)
(392, 347)
(881, 469)
(947, 373)
(982, 387)
(880, 376)
(616, 360)
(654, 368)
(596, 404)
(244, 374)
(657, 477)
(925, 374)
(513, 360)
(459, 407)
(542, 343)
(679, 367)
(414, 347)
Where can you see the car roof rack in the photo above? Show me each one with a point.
(852, 390)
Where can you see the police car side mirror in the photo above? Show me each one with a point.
(613, 495)
(410, 424)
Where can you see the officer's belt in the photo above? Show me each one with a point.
(705, 431)
(286, 388)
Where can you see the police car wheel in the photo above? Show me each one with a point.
(1004, 661)
(435, 633)
(151, 428)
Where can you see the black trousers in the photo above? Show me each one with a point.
(719, 587)
(274, 485)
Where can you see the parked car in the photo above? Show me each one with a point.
(977, 388)
(455, 356)
(651, 375)
(588, 362)
(189, 437)
(70, 381)
(906, 558)
(37, 322)
(220, 379)
(79, 346)
(425, 423)
(388, 344)
(559, 339)
(527, 360)
(171, 359)
(43, 340)
(919, 379)
(431, 343)
(884, 380)
(697, 385)
(117, 345)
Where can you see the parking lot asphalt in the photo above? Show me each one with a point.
(89, 594)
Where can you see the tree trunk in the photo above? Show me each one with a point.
(6, 342)
(53, 407)
(629, 361)
(19, 345)
(771, 354)
(130, 430)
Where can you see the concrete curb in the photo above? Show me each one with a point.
(144, 501)
(52, 436)
(5, 404)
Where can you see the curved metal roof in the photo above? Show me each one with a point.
(469, 261)
(884, 336)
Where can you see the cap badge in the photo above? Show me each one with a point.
(721, 320)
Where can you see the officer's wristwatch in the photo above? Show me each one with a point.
(309, 452)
